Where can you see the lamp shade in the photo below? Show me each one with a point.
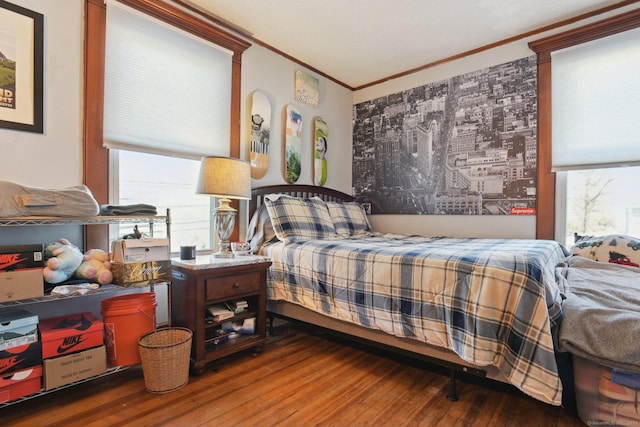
(224, 177)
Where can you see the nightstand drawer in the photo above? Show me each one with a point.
(229, 286)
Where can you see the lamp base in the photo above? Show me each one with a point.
(221, 254)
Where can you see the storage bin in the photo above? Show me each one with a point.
(599, 399)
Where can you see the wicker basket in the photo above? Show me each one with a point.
(165, 357)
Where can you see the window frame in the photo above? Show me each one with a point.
(546, 191)
(96, 173)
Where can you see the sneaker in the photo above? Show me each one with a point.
(614, 391)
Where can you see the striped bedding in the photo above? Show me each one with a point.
(491, 301)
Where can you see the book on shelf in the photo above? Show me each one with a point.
(237, 306)
(219, 312)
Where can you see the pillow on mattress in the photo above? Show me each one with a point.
(349, 218)
(260, 230)
(296, 218)
(613, 248)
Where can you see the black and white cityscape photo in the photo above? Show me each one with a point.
(462, 146)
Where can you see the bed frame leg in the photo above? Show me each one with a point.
(453, 394)
(270, 322)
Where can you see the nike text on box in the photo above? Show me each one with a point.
(17, 327)
(70, 334)
(74, 367)
(140, 250)
(21, 257)
(21, 272)
(20, 384)
(16, 359)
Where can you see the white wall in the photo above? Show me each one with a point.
(52, 159)
(263, 70)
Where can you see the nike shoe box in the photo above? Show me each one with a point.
(21, 272)
(21, 257)
(70, 333)
(605, 395)
(18, 358)
(73, 367)
(17, 327)
(20, 384)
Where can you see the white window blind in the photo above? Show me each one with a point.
(596, 96)
(166, 91)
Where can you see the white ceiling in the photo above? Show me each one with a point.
(357, 42)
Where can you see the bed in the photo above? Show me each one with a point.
(602, 314)
(488, 307)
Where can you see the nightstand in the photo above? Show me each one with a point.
(208, 281)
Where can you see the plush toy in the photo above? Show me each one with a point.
(95, 266)
(63, 260)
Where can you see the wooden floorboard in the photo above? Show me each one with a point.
(302, 378)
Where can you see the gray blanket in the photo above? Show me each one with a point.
(20, 200)
(601, 312)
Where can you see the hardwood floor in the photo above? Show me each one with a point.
(301, 378)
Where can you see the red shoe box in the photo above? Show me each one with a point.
(21, 383)
(19, 358)
(70, 334)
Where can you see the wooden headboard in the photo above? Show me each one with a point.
(306, 191)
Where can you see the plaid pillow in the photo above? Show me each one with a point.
(349, 218)
(295, 218)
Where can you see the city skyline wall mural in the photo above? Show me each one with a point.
(466, 145)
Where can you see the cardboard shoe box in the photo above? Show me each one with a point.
(70, 333)
(140, 250)
(17, 327)
(16, 359)
(74, 367)
(137, 274)
(21, 272)
(20, 384)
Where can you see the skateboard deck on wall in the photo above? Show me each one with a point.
(321, 136)
(293, 144)
(260, 133)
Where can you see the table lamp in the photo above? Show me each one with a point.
(227, 179)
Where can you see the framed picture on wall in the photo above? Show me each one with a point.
(307, 88)
(21, 61)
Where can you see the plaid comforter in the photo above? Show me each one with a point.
(491, 301)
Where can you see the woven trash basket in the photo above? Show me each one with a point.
(165, 356)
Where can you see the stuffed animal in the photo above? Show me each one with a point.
(95, 266)
(63, 260)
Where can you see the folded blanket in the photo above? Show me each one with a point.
(20, 200)
(137, 209)
(601, 319)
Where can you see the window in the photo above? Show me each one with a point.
(123, 183)
(144, 178)
(602, 201)
(585, 125)
(166, 92)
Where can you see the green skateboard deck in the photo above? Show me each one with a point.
(321, 135)
(293, 144)
(260, 128)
